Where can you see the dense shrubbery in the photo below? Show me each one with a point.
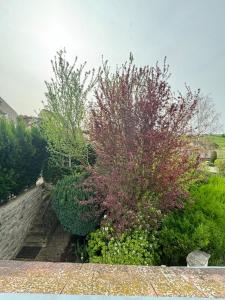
(199, 226)
(220, 163)
(136, 247)
(139, 130)
(71, 202)
(57, 166)
(53, 172)
(138, 127)
(22, 153)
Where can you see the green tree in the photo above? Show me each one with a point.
(22, 153)
(8, 153)
(65, 109)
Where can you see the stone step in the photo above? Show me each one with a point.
(55, 247)
(37, 239)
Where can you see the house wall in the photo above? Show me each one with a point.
(7, 110)
(16, 217)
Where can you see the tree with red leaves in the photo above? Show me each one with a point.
(139, 129)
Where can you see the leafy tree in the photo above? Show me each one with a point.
(64, 113)
(139, 129)
(8, 156)
(26, 153)
(22, 153)
(40, 154)
(206, 119)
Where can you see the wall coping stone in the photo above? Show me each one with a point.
(98, 279)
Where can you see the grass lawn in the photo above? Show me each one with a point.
(215, 138)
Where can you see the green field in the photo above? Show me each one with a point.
(215, 138)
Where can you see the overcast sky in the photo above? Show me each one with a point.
(191, 33)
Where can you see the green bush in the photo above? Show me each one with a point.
(53, 172)
(200, 226)
(22, 153)
(220, 163)
(68, 201)
(136, 247)
(57, 166)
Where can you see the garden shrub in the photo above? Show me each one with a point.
(22, 153)
(200, 226)
(70, 202)
(220, 163)
(55, 169)
(136, 247)
(140, 149)
(53, 172)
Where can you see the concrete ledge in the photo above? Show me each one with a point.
(7, 296)
(93, 279)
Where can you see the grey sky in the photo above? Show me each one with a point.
(191, 33)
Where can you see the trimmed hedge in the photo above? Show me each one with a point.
(68, 200)
(22, 154)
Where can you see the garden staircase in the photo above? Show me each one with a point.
(43, 225)
(40, 231)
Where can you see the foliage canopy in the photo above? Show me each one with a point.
(200, 226)
(139, 130)
(22, 154)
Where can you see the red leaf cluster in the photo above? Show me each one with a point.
(139, 129)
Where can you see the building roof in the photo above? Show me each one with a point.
(7, 110)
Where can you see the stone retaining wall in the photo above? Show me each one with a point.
(16, 217)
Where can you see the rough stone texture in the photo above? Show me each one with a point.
(16, 217)
(43, 225)
(198, 259)
(96, 279)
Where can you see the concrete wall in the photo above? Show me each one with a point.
(16, 217)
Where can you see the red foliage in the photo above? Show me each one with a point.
(139, 129)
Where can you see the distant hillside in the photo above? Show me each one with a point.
(216, 139)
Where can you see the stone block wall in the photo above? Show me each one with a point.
(16, 217)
